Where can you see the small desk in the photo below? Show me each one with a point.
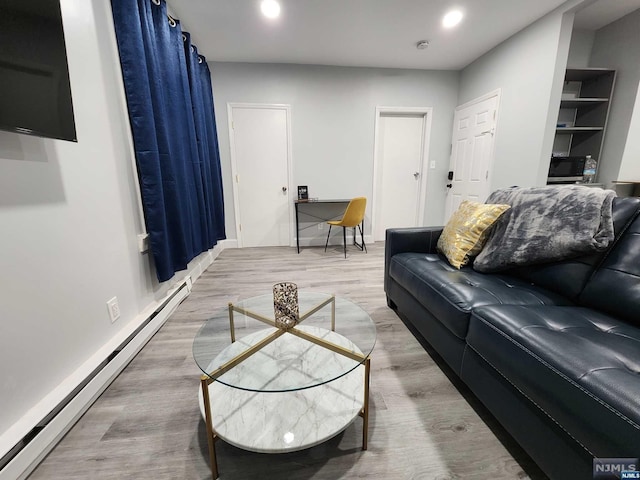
(311, 211)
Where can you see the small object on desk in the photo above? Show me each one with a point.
(303, 192)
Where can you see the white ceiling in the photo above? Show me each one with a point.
(603, 12)
(365, 33)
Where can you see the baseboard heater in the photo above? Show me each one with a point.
(25, 456)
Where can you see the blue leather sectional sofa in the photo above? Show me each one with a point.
(553, 350)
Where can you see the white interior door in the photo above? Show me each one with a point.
(260, 149)
(471, 152)
(400, 157)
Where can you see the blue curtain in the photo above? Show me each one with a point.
(171, 111)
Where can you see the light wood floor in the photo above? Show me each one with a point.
(147, 424)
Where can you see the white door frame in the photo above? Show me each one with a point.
(234, 168)
(427, 113)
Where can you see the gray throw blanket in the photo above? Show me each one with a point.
(546, 224)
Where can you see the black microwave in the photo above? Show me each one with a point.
(566, 169)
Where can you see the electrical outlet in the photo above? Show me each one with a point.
(320, 226)
(143, 242)
(432, 164)
(114, 309)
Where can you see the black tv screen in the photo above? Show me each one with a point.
(35, 94)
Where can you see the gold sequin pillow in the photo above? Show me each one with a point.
(467, 230)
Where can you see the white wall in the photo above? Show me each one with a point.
(617, 46)
(580, 49)
(69, 219)
(333, 114)
(630, 165)
(528, 68)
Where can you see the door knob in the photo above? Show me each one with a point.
(416, 175)
(284, 189)
(449, 185)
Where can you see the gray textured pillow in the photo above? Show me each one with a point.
(546, 224)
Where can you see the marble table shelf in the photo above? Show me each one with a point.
(286, 421)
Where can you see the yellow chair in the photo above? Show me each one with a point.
(353, 217)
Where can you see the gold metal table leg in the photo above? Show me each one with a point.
(232, 327)
(211, 436)
(333, 313)
(365, 409)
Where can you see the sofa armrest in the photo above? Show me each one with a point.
(417, 239)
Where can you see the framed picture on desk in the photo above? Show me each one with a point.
(303, 192)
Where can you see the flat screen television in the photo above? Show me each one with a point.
(35, 94)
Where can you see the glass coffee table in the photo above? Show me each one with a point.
(275, 389)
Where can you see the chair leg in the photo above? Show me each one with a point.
(361, 245)
(344, 240)
(325, 245)
(362, 239)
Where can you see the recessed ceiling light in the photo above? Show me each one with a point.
(451, 19)
(270, 8)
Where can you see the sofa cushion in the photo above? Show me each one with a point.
(467, 230)
(570, 276)
(450, 294)
(615, 286)
(581, 367)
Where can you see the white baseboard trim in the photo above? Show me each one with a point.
(105, 366)
(229, 243)
(34, 451)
